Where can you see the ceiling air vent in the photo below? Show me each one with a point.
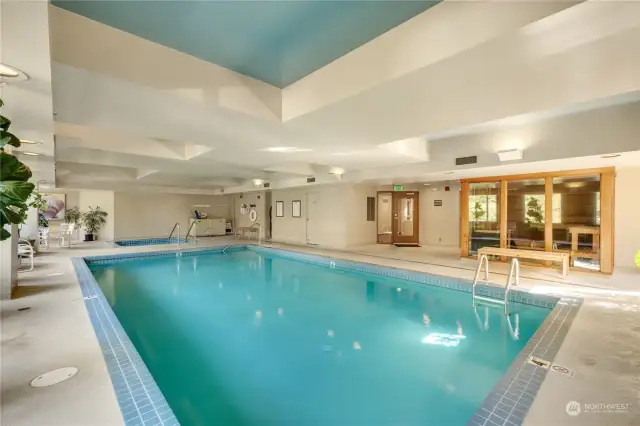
(463, 161)
(311, 179)
(266, 185)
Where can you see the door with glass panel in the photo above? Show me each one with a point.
(484, 215)
(405, 224)
(385, 217)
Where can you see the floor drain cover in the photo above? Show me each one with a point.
(54, 377)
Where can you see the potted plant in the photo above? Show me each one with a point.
(73, 216)
(92, 221)
(14, 188)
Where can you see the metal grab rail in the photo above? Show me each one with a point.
(189, 231)
(177, 224)
(242, 235)
(514, 268)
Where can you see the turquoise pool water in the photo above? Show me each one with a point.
(252, 339)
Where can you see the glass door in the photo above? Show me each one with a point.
(385, 215)
(484, 215)
(406, 218)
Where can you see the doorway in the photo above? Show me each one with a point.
(399, 218)
(313, 213)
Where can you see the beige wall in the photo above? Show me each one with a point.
(259, 198)
(440, 226)
(359, 230)
(73, 199)
(153, 215)
(289, 229)
(627, 216)
(337, 218)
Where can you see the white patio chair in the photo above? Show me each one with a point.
(43, 237)
(66, 233)
(26, 250)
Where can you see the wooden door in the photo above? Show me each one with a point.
(406, 218)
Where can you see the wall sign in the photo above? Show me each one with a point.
(279, 208)
(398, 187)
(437, 203)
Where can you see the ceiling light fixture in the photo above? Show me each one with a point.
(286, 149)
(510, 154)
(29, 153)
(257, 182)
(576, 184)
(10, 73)
(28, 142)
(449, 173)
(610, 155)
(427, 184)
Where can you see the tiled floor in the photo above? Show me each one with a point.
(602, 347)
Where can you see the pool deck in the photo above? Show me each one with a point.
(602, 347)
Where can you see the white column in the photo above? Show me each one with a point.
(9, 263)
(24, 44)
(29, 229)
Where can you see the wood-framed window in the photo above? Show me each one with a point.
(569, 211)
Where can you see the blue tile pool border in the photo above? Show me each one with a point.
(139, 397)
(142, 402)
(136, 242)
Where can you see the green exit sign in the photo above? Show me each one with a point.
(397, 187)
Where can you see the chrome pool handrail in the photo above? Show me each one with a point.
(514, 268)
(189, 231)
(177, 224)
(241, 235)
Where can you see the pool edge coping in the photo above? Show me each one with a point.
(513, 394)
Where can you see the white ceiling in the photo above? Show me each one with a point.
(134, 115)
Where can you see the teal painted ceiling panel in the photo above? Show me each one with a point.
(278, 42)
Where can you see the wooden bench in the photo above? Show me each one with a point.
(552, 256)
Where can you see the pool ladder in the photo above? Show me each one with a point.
(512, 279)
(176, 226)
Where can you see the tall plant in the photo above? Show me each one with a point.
(35, 201)
(73, 215)
(478, 211)
(93, 220)
(534, 215)
(14, 188)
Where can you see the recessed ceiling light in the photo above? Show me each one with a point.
(28, 142)
(286, 149)
(29, 153)
(427, 184)
(510, 154)
(257, 182)
(611, 156)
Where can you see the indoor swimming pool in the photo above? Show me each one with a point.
(252, 338)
